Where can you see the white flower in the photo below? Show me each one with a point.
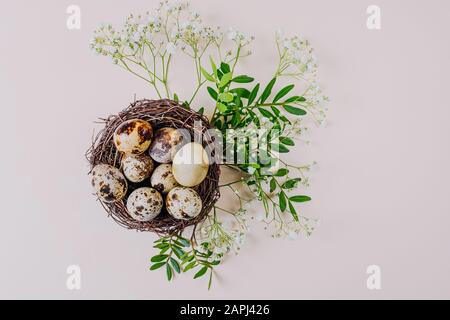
(136, 36)
(171, 48)
(251, 170)
(231, 35)
(293, 235)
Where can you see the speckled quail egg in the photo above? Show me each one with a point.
(183, 203)
(162, 178)
(190, 164)
(165, 144)
(137, 167)
(133, 136)
(144, 204)
(109, 183)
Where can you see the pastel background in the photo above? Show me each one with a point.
(381, 188)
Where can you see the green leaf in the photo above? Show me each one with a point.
(273, 185)
(287, 141)
(241, 92)
(281, 172)
(242, 79)
(210, 279)
(212, 93)
(294, 110)
(295, 99)
(158, 258)
(267, 91)
(221, 107)
(300, 198)
(266, 113)
(283, 92)
(225, 67)
(175, 264)
(280, 148)
(213, 66)
(201, 110)
(169, 272)
(184, 241)
(253, 94)
(225, 79)
(178, 252)
(207, 75)
(175, 97)
(290, 183)
(282, 201)
(157, 265)
(293, 212)
(201, 272)
(190, 266)
(226, 97)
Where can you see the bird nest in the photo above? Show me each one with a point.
(160, 113)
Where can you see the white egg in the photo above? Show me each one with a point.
(109, 183)
(162, 178)
(165, 144)
(190, 165)
(137, 167)
(183, 203)
(144, 204)
(133, 136)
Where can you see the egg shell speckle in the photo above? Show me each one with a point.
(137, 168)
(183, 203)
(108, 182)
(144, 204)
(166, 143)
(133, 136)
(162, 178)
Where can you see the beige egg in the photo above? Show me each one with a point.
(162, 178)
(190, 164)
(133, 136)
(108, 182)
(137, 167)
(165, 144)
(183, 203)
(144, 204)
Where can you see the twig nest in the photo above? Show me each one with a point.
(108, 182)
(162, 178)
(183, 203)
(133, 208)
(165, 144)
(190, 164)
(137, 167)
(133, 136)
(144, 204)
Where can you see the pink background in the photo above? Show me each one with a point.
(381, 189)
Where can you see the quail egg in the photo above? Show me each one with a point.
(183, 203)
(144, 204)
(137, 167)
(108, 182)
(162, 178)
(133, 136)
(190, 164)
(165, 144)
